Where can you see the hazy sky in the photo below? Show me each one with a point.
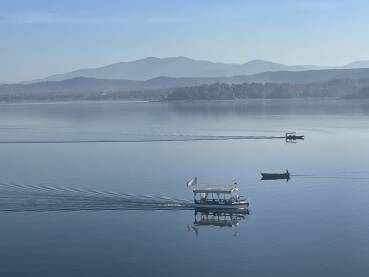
(44, 37)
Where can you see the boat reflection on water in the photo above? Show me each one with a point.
(217, 219)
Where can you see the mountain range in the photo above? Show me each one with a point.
(132, 79)
(179, 67)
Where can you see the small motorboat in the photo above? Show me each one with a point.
(275, 176)
(292, 136)
(215, 197)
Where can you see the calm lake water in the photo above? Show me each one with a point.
(316, 224)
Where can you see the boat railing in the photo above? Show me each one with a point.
(215, 201)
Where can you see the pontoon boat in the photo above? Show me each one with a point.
(217, 197)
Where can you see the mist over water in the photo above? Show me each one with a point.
(107, 209)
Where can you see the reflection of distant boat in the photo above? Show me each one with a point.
(292, 136)
(216, 218)
(275, 176)
(222, 198)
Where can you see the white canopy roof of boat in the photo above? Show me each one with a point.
(214, 189)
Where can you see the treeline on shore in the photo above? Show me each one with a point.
(55, 96)
(338, 88)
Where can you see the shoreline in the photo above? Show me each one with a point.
(127, 101)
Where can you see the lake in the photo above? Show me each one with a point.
(56, 156)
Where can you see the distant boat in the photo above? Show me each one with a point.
(293, 136)
(276, 176)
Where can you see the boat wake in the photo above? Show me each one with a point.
(155, 138)
(45, 197)
(330, 177)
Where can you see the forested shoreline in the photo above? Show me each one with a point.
(338, 88)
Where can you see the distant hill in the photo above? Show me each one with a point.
(82, 87)
(182, 67)
(308, 76)
(357, 64)
(175, 67)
